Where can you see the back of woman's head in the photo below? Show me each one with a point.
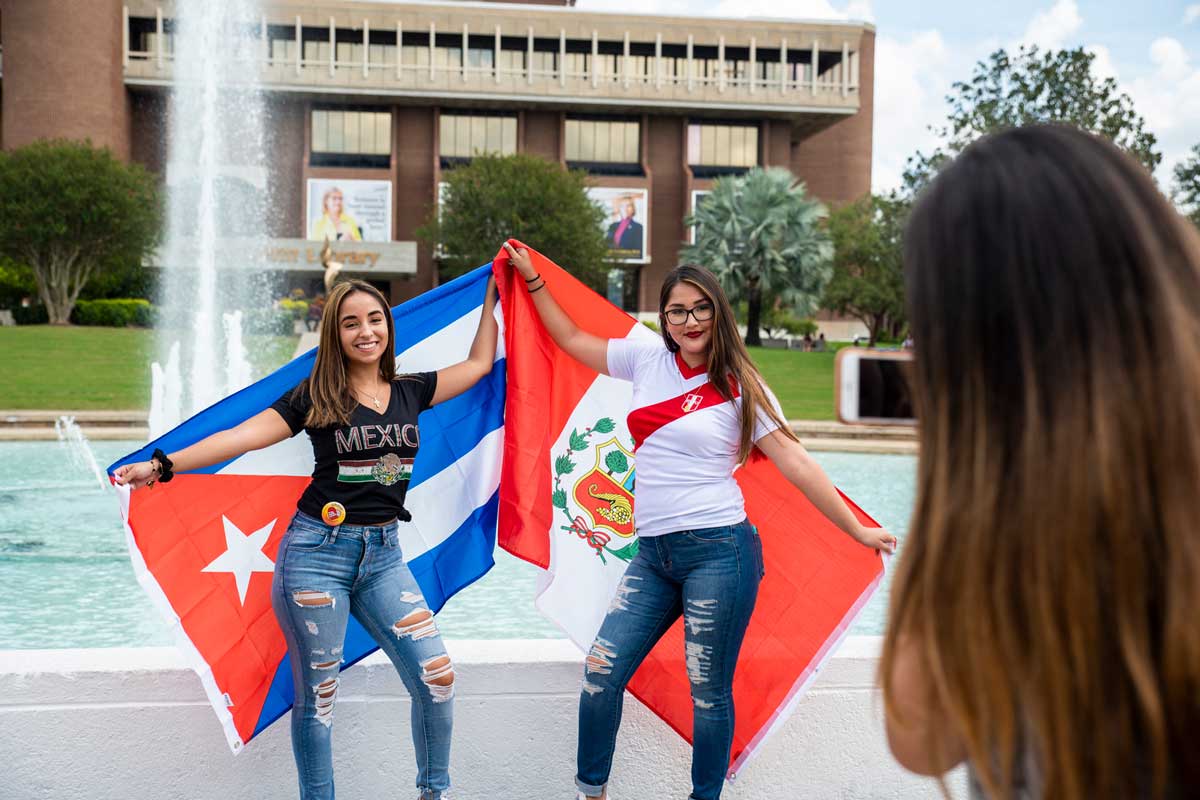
(1054, 564)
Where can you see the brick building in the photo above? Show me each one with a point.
(387, 96)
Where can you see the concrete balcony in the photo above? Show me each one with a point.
(535, 55)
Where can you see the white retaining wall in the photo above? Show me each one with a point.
(135, 724)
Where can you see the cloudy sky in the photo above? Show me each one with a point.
(1151, 48)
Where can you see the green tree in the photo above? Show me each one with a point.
(495, 197)
(1186, 185)
(70, 212)
(1008, 91)
(762, 237)
(868, 268)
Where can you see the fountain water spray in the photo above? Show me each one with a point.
(217, 190)
(79, 452)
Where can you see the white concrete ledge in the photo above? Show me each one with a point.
(134, 723)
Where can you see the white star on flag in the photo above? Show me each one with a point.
(243, 555)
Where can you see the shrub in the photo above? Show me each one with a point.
(124, 313)
(298, 308)
(651, 325)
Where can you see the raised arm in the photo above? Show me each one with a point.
(590, 350)
(806, 475)
(262, 430)
(456, 379)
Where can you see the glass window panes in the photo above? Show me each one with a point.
(723, 145)
(415, 56)
(355, 132)
(283, 51)
(316, 52)
(464, 135)
(614, 141)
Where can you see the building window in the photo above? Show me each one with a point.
(728, 147)
(602, 141)
(342, 138)
(463, 136)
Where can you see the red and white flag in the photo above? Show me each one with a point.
(566, 434)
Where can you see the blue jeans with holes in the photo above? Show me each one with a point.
(711, 577)
(322, 575)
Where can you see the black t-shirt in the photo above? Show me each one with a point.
(365, 466)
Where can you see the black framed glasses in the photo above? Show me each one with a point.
(678, 316)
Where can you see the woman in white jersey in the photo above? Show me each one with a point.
(699, 555)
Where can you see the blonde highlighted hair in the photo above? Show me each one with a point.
(1051, 579)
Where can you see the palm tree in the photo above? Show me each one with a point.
(761, 235)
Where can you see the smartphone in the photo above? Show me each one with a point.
(872, 387)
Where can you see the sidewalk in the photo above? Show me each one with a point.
(38, 426)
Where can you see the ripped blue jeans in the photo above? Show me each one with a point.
(323, 575)
(711, 577)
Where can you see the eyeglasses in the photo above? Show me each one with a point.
(701, 313)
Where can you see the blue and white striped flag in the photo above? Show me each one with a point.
(223, 621)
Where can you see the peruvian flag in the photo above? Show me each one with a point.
(566, 436)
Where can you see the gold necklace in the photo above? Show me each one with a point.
(374, 398)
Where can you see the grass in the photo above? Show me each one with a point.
(75, 368)
(85, 369)
(803, 382)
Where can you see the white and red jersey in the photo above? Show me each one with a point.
(685, 438)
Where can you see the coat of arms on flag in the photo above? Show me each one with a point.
(566, 500)
(539, 455)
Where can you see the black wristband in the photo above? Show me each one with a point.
(534, 278)
(538, 289)
(164, 466)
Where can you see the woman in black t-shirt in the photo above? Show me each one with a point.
(341, 553)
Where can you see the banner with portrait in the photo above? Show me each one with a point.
(698, 196)
(626, 223)
(349, 210)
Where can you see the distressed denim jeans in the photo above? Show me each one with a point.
(711, 577)
(323, 575)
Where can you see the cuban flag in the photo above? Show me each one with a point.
(203, 546)
(567, 490)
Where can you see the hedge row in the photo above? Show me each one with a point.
(141, 314)
(114, 313)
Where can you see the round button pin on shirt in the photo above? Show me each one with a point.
(333, 514)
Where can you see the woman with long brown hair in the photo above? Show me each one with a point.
(1042, 623)
(341, 553)
(699, 408)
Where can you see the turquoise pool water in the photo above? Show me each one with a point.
(68, 581)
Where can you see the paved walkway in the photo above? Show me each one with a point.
(17, 426)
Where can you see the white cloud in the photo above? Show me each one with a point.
(912, 77)
(1168, 98)
(1102, 65)
(1191, 14)
(1051, 29)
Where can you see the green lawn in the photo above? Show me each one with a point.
(83, 369)
(109, 368)
(803, 382)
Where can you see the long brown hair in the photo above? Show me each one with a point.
(328, 387)
(727, 355)
(1051, 579)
